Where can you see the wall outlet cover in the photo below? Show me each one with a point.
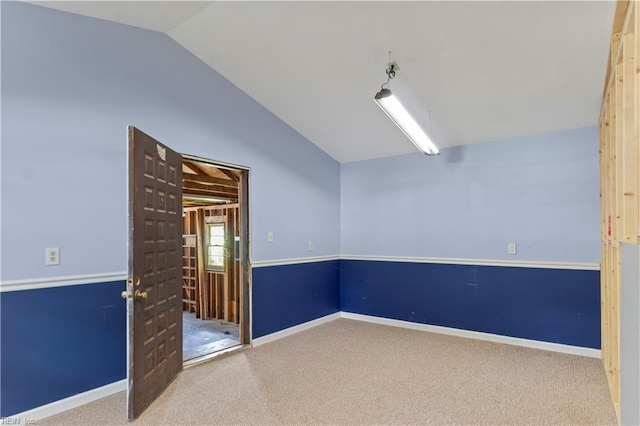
(52, 256)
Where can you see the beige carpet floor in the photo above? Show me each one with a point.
(350, 372)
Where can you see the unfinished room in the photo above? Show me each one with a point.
(211, 263)
(319, 212)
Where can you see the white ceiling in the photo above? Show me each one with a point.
(485, 70)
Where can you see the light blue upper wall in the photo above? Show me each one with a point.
(541, 192)
(70, 87)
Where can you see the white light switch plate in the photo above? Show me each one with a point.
(270, 236)
(512, 248)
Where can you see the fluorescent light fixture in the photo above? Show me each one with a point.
(399, 115)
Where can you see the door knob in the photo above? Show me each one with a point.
(124, 294)
(141, 294)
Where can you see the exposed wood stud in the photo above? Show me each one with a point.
(191, 187)
(619, 178)
(202, 262)
(216, 294)
(209, 180)
(212, 194)
(231, 175)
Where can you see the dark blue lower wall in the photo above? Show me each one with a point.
(61, 341)
(58, 342)
(551, 305)
(288, 295)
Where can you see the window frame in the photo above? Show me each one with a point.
(208, 245)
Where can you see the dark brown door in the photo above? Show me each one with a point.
(154, 286)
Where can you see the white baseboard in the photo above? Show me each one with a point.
(536, 344)
(74, 401)
(295, 329)
(496, 338)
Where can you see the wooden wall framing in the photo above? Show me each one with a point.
(211, 293)
(619, 177)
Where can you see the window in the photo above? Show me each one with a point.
(215, 246)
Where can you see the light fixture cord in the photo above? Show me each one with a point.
(391, 74)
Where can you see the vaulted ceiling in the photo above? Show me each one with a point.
(469, 71)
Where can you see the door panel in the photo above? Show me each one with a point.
(154, 286)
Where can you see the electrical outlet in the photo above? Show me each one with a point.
(270, 236)
(52, 256)
(310, 245)
(512, 248)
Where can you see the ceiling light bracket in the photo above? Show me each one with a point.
(391, 73)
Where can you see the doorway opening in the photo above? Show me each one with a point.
(214, 258)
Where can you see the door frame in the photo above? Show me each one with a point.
(246, 316)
